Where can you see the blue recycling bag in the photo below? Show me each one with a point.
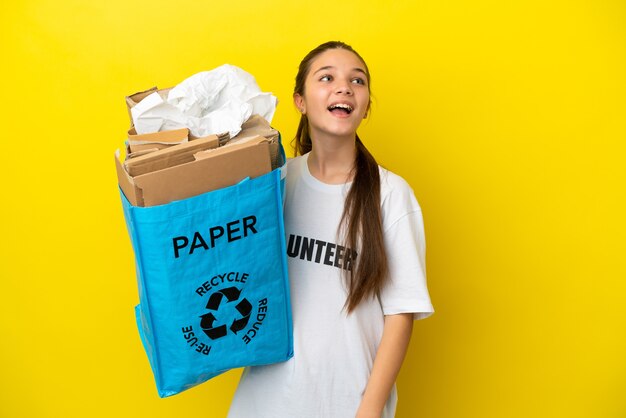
(213, 284)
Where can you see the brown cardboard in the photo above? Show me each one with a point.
(140, 149)
(132, 193)
(135, 98)
(200, 155)
(142, 152)
(168, 157)
(168, 137)
(257, 125)
(223, 138)
(225, 167)
(159, 140)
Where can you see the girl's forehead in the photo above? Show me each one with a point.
(336, 58)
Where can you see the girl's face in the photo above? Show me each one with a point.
(336, 95)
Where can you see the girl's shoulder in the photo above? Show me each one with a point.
(294, 161)
(396, 196)
(293, 168)
(392, 184)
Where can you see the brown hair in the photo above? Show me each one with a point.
(361, 214)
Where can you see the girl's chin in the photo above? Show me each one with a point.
(338, 135)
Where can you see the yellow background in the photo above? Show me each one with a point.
(507, 118)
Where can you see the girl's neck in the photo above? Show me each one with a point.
(331, 161)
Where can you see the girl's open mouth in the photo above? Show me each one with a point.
(340, 109)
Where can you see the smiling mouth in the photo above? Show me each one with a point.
(340, 108)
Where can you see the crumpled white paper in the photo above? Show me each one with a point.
(210, 102)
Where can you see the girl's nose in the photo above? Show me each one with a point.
(344, 88)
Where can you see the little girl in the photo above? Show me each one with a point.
(355, 243)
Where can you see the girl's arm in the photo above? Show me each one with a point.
(389, 357)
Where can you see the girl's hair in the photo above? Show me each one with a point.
(361, 216)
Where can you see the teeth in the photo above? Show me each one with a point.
(341, 105)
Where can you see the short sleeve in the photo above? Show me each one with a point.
(406, 290)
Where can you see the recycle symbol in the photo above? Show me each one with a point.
(215, 300)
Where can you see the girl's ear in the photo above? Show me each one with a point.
(298, 100)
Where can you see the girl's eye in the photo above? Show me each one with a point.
(325, 78)
(358, 81)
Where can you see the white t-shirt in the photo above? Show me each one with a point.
(333, 351)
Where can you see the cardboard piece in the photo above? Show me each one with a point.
(135, 98)
(168, 157)
(130, 154)
(201, 155)
(126, 183)
(258, 125)
(220, 168)
(140, 142)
